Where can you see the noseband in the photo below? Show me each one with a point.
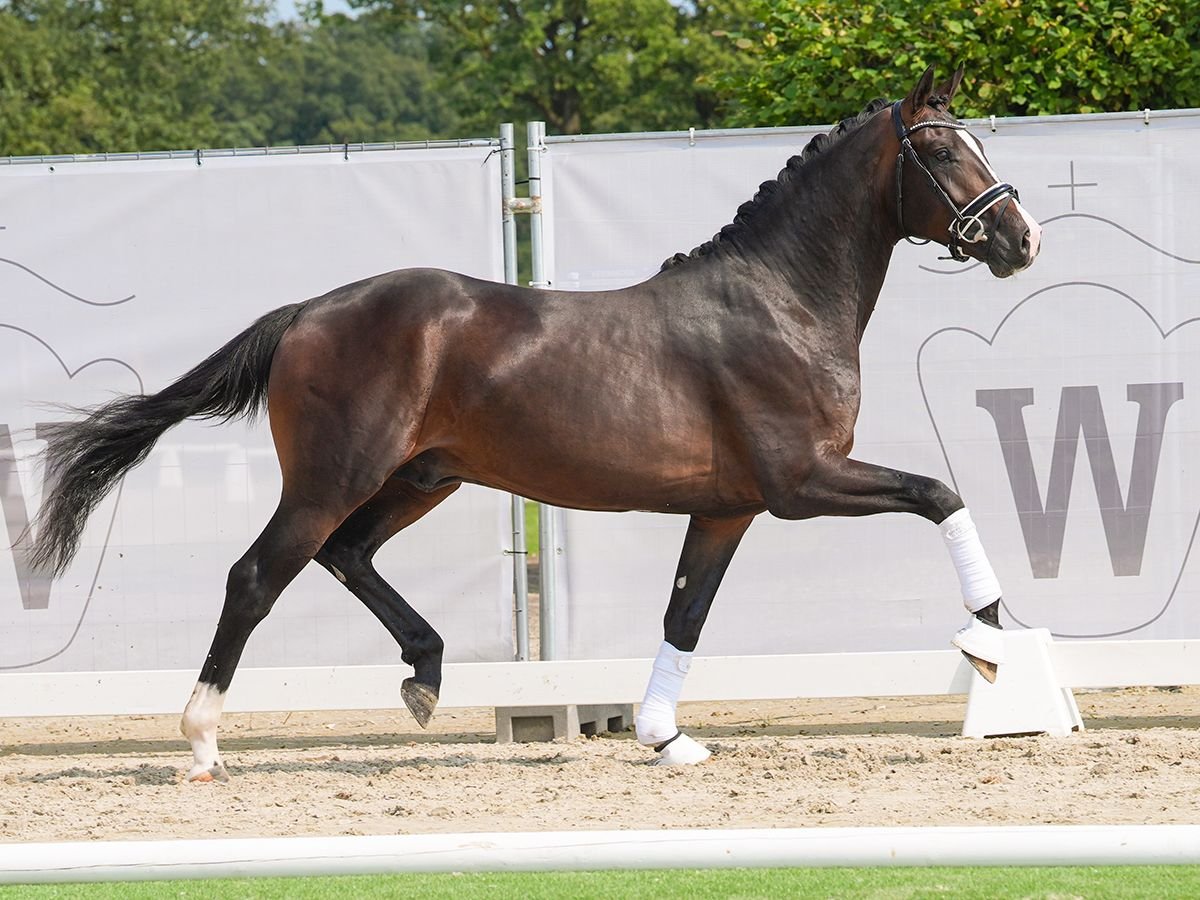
(967, 227)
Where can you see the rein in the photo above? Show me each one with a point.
(967, 227)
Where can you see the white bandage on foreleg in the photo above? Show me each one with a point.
(656, 716)
(979, 585)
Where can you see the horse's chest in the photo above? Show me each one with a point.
(821, 392)
(798, 407)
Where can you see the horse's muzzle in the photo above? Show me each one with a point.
(1015, 246)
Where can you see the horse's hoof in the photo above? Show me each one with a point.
(212, 773)
(983, 667)
(420, 699)
(681, 750)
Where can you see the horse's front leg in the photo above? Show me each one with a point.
(707, 550)
(838, 486)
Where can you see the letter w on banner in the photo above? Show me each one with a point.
(1106, 552)
(1125, 520)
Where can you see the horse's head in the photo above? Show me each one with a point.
(945, 189)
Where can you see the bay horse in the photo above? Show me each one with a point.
(725, 386)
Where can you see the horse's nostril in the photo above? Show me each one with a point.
(1025, 242)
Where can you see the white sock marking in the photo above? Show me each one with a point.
(199, 726)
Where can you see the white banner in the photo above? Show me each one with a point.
(1063, 404)
(120, 276)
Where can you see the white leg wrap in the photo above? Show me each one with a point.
(979, 585)
(656, 716)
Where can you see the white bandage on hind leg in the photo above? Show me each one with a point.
(979, 585)
(656, 716)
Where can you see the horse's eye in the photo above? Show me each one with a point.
(943, 155)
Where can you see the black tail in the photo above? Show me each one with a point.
(85, 459)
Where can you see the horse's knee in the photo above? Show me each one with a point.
(933, 499)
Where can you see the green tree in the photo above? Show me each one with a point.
(580, 65)
(86, 75)
(81, 76)
(333, 78)
(815, 61)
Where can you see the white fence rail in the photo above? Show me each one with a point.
(1086, 664)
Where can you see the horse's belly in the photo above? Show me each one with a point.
(604, 472)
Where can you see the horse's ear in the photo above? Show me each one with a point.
(949, 87)
(919, 95)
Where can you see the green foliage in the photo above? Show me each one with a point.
(79, 76)
(579, 65)
(816, 61)
(95, 75)
(334, 79)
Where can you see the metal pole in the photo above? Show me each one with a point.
(520, 577)
(508, 189)
(536, 137)
(519, 547)
(548, 599)
(548, 537)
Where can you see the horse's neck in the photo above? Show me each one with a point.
(831, 240)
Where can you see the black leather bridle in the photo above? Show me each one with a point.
(967, 227)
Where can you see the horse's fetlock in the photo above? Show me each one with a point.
(435, 646)
(424, 652)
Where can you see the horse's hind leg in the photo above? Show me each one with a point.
(347, 555)
(707, 550)
(295, 532)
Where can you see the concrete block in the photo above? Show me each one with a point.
(528, 724)
(610, 717)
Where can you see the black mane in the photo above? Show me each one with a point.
(767, 189)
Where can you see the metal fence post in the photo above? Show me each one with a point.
(508, 191)
(547, 532)
(519, 548)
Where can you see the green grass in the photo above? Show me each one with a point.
(878, 884)
(531, 527)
